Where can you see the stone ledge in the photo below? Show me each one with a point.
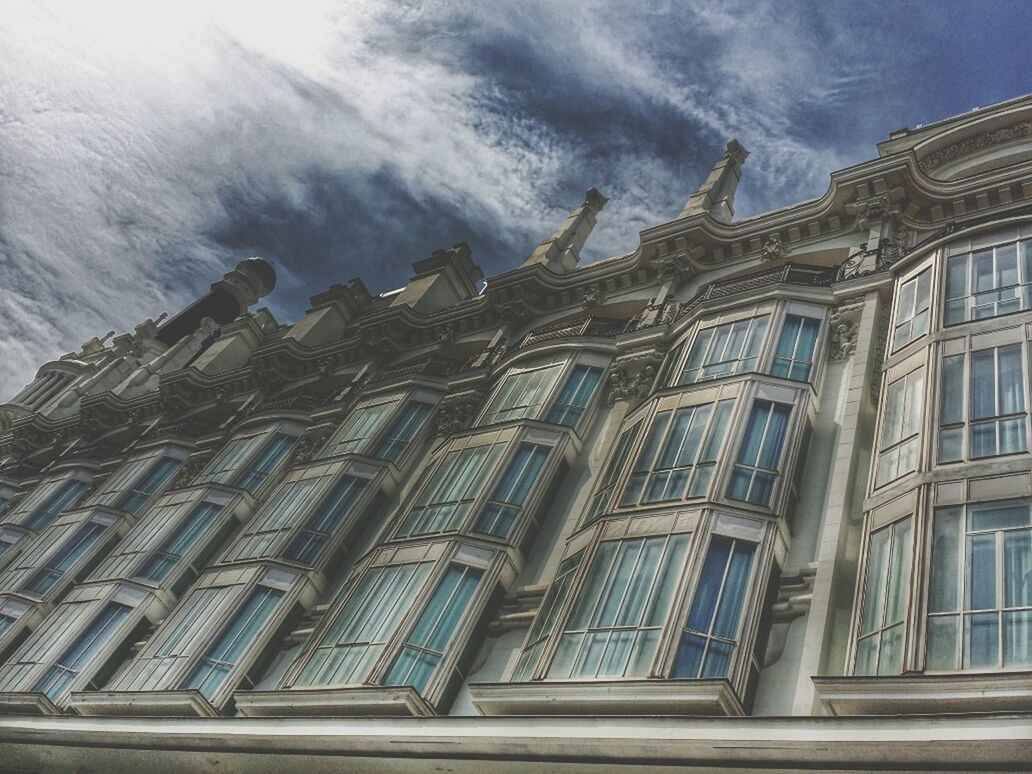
(27, 704)
(608, 697)
(918, 694)
(381, 701)
(142, 703)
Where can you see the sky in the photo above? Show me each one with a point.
(146, 148)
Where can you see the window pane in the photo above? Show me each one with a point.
(574, 397)
(403, 430)
(59, 677)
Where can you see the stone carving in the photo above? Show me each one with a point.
(456, 412)
(194, 465)
(956, 150)
(845, 322)
(311, 442)
(594, 297)
(773, 249)
(655, 314)
(735, 152)
(632, 375)
(795, 595)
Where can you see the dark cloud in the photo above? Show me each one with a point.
(144, 150)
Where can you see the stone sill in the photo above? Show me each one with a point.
(27, 704)
(712, 697)
(377, 701)
(919, 694)
(174, 704)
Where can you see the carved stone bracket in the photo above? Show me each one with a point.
(773, 249)
(593, 297)
(457, 411)
(845, 322)
(631, 375)
(194, 465)
(795, 594)
(311, 442)
(876, 209)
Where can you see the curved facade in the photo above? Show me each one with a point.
(728, 500)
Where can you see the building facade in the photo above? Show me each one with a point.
(756, 495)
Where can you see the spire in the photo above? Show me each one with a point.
(717, 194)
(561, 251)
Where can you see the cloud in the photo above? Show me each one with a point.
(145, 149)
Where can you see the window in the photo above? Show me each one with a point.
(267, 461)
(317, 530)
(350, 646)
(759, 456)
(278, 516)
(364, 430)
(898, 444)
(139, 478)
(425, 645)
(711, 633)
(723, 350)
(544, 621)
(980, 599)
(616, 622)
(989, 282)
(614, 470)
(155, 479)
(794, 356)
(67, 494)
(912, 310)
(573, 398)
(229, 648)
(522, 393)
(247, 461)
(679, 454)
(64, 558)
(996, 415)
(403, 430)
(178, 542)
(57, 679)
(447, 496)
(879, 649)
(510, 493)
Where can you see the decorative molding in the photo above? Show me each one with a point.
(457, 411)
(977, 142)
(845, 325)
(631, 375)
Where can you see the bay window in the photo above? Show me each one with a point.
(137, 480)
(723, 350)
(679, 454)
(793, 358)
(759, 457)
(992, 420)
(544, 622)
(64, 557)
(613, 472)
(883, 606)
(49, 499)
(178, 542)
(512, 490)
(989, 281)
(980, 598)
(711, 633)
(900, 436)
(252, 457)
(912, 310)
(557, 390)
(382, 427)
(57, 679)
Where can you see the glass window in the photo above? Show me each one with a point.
(544, 621)
(262, 535)
(679, 454)
(574, 396)
(362, 424)
(899, 442)
(403, 430)
(912, 310)
(725, 349)
(452, 487)
(352, 643)
(229, 647)
(268, 459)
(616, 622)
(155, 479)
(64, 558)
(980, 600)
(759, 457)
(996, 415)
(879, 649)
(178, 542)
(793, 358)
(614, 469)
(510, 493)
(66, 495)
(711, 634)
(425, 645)
(989, 282)
(57, 679)
(318, 528)
(522, 393)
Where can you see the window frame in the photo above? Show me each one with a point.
(370, 444)
(1021, 237)
(133, 472)
(916, 375)
(262, 437)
